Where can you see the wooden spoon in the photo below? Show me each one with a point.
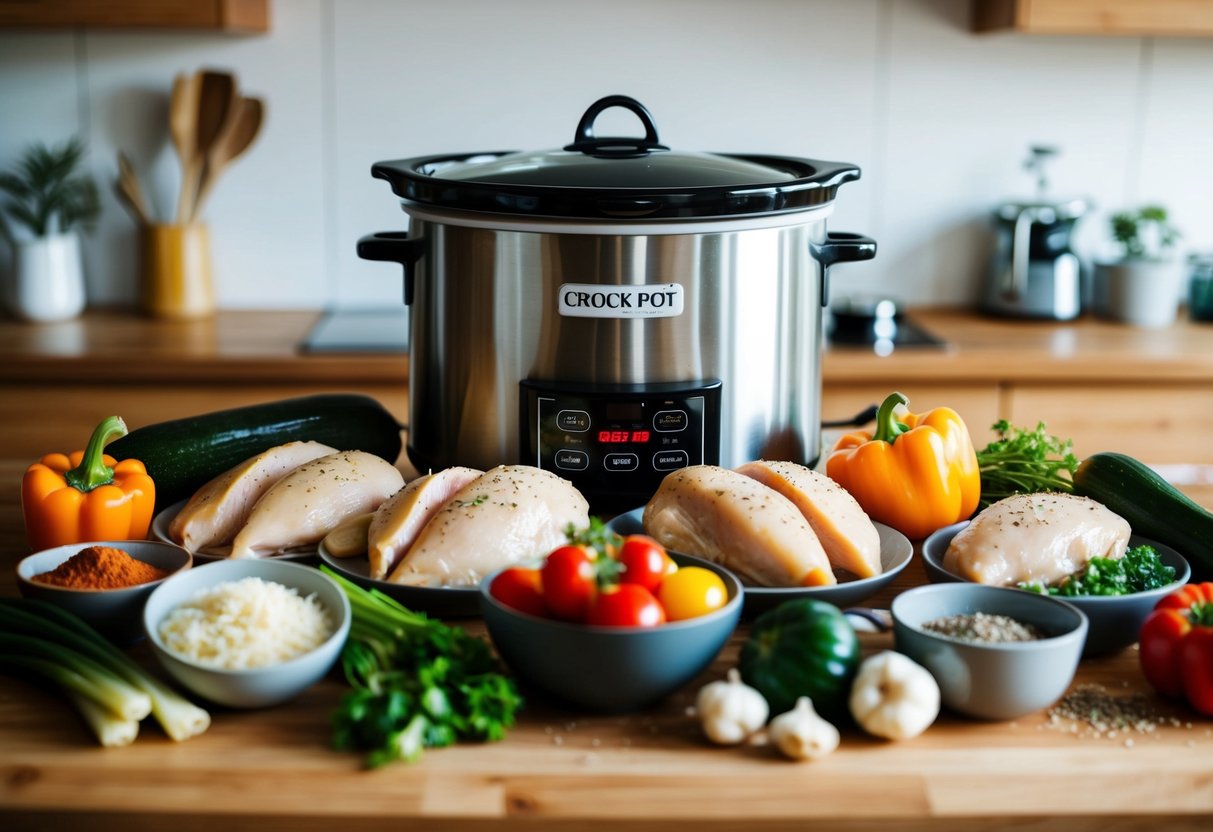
(183, 128)
(243, 130)
(131, 192)
(216, 95)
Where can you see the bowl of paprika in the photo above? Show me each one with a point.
(105, 583)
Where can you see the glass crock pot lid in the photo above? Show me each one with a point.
(616, 177)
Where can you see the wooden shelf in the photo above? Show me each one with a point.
(237, 17)
(1139, 18)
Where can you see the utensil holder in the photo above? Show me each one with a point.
(176, 271)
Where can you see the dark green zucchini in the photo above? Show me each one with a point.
(1154, 508)
(183, 454)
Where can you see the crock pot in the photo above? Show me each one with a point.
(614, 310)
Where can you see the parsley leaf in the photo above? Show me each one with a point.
(1024, 461)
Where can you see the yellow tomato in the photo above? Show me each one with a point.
(690, 592)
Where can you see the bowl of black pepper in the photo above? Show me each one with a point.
(996, 653)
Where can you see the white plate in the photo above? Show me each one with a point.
(895, 552)
(161, 522)
(438, 601)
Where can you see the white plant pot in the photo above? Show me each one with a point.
(48, 279)
(1138, 292)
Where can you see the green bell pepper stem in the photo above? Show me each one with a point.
(92, 470)
(1201, 615)
(887, 426)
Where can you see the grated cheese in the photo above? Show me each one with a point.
(238, 625)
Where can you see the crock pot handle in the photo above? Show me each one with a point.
(585, 141)
(394, 247)
(840, 247)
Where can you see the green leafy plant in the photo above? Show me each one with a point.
(46, 194)
(1146, 232)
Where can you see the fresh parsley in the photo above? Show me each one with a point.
(1140, 569)
(416, 683)
(1022, 461)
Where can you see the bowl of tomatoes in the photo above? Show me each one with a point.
(610, 625)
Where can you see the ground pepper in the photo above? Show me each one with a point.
(101, 567)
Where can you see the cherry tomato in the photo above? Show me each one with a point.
(644, 560)
(569, 582)
(690, 592)
(626, 605)
(521, 589)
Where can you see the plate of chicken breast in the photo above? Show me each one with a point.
(785, 530)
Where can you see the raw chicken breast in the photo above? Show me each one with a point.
(309, 502)
(399, 520)
(738, 522)
(217, 511)
(846, 532)
(509, 514)
(1035, 537)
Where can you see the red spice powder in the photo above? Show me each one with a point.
(101, 567)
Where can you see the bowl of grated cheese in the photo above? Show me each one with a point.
(247, 633)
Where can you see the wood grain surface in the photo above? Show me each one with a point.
(561, 769)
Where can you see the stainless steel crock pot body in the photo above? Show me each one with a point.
(614, 350)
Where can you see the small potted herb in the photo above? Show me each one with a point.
(1142, 285)
(44, 201)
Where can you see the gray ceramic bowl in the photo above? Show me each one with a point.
(609, 669)
(1115, 620)
(116, 613)
(436, 601)
(895, 553)
(991, 681)
(256, 687)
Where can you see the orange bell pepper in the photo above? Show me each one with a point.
(87, 495)
(916, 474)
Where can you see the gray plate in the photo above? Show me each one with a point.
(441, 602)
(895, 552)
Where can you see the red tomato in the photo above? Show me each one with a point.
(569, 582)
(521, 589)
(692, 591)
(644, 560)
(626, 605)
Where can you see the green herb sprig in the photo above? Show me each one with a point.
(1140, 569)
(1025, 461)
(416, 683)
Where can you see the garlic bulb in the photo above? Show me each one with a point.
(730, 711)
(894, 697)
(801, 734)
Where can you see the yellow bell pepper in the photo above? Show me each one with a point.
(916, 473)
(87, 495)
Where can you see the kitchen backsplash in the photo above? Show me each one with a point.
(939, 120)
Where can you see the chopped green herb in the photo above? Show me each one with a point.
(1139, 570)
(478, 500)
(1024, 461)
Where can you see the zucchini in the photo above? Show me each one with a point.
(184, 454)
(1154, 508)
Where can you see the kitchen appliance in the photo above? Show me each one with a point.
(614, 310)
(1034, 273)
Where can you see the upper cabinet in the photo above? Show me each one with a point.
(1141, 18)
(237, 17)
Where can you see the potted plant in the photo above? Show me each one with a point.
(1142, 285)
(47, 200)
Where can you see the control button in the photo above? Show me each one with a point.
(670, 420)
(574, 421)
(621, 462)
(572, 460)
(670, 460)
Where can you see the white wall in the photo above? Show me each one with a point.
(938, 119)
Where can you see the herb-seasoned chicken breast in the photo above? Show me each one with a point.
(399, 521)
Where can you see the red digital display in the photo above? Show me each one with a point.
(615, 436)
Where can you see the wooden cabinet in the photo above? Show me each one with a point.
(1179, 18)
(226, 16)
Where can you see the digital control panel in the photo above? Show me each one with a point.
(617, 442)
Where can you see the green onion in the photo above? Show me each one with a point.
(180, 718)
(111, 731)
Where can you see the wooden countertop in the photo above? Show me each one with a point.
(251, 346)
(564, 770)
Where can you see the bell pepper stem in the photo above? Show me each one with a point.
(92, 470)
(1201, 615)
(888, 428)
